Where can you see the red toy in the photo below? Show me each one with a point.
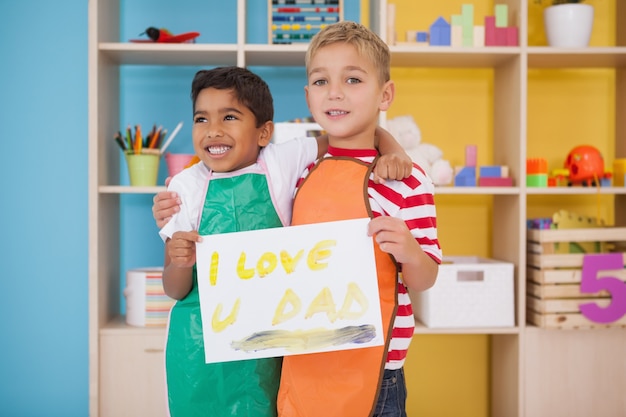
(165, 36)
(585, 165)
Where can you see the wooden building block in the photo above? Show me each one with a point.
(498, 171)
(440, 32)
(456, 36)
(495, 182)
(501, 36)
(466, 177)
(490, 31)
(479, 36)
(471, 155)
(422, 38)
(536, 166)
(537, 180)
(512, 36)
(467, 22)
(502, 15)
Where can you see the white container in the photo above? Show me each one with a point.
(568, 25)
(286, 131)
(469, 292)
(146, 302)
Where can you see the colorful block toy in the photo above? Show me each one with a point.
(440, 32)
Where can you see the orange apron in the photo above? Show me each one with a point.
(342, 383)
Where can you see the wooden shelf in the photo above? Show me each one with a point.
(477, 190)
(118, 326)
(169, 54)
(421, 329)
(449, 57)
(127, 189)
(575, 190)
(592, 57)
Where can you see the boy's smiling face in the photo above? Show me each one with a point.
(224, 132)
(345, 96)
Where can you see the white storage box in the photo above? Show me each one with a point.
(146, 302)
(286, 131)
(469, 292)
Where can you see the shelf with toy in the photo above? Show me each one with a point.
(169, 54)
(577, 190)
(477, 190)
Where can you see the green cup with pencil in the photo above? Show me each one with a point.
(143, 153)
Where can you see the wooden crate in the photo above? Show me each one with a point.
(554, 274)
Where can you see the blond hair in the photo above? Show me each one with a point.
(367, 44)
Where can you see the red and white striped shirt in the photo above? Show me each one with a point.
(412, 200)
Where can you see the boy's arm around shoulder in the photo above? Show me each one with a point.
(394, 163)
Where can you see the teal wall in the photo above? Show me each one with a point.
(43, 210)
(43, 213)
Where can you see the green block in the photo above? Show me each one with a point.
(467, 17)
(467, 14)
(456, 20)
(537, 180)
(502, 15)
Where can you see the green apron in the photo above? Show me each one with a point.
(241, 388)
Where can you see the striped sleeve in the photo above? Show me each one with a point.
(411, 200)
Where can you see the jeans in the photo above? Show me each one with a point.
(392, 398)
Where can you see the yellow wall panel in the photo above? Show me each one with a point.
(452, 107)
(448, 375)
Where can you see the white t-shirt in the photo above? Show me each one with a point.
(284, 163)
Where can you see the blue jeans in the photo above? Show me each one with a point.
(392, 398)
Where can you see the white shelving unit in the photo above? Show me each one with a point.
(527, 363)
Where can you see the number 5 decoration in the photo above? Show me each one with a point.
(592, 283)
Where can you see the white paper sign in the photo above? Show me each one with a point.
(286, 291)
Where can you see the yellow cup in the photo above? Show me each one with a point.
(143, 169)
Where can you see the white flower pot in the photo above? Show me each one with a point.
(568, 25)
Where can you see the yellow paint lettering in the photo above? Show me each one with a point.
(215, 258)
(219, 325)
(323, 303)
(320, 252)
(266, 264)
(289, 263)
(354, 295)
(242, 271)
(289, 299)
